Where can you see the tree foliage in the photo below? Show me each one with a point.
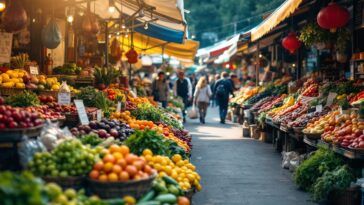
(222, 18)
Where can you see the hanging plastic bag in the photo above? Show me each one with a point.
(51, 36)
(14, 18)
(27, 148)
(193, 114)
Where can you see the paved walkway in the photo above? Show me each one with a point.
(237, 171)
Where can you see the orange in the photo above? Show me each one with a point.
(124, 176)
(148, 169)
(116, 169)
(182, 200)
(114, 148)
(124, 150)
(94, 174)
(109, 158)
(121, 162)
(117, 155)
(132, 170)
(147, 152)
(103, 177)
(108, 167)
(98, 166)
(130, 158)
(176, 158)
(113, 177)
(138, 164)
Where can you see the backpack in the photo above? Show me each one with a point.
(220, 91)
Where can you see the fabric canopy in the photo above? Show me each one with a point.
(279, 15)
(147, 45)
(168, 22)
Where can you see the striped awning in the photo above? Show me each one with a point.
(279, 15)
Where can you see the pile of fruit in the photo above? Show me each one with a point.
(291, 113)
(288, 102)
(119, 164)
(105, 129)
(180, 170)
(317, 126)
(343, 130)
(45, 112)
(69, 158)
(11, 118)
(304, 119)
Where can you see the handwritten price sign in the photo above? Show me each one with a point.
(6, 41)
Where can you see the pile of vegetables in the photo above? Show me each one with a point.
(147, 111)
(157, 143)
(23, 99)
(67, 69)
(315, 166)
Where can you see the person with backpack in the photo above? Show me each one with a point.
(202, 97)
(183, 88)
(223, 88)
(160, 89)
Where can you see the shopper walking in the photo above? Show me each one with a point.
(202, 97)
(223, 88)
(183, 88)
(160, 89)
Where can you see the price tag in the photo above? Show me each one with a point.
(64, 98)
(118, 107)
(33, 70)
(330, 98)
(81, 112)
(99, 115)
(318, 108)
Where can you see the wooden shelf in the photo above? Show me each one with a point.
(356, 61)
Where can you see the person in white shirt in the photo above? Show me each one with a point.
(202, 97)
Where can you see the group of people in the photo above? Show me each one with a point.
(198, 92)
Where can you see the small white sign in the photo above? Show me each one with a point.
(118, 107)
(99, 115)
(318, 108)
(34, 70)
(5, 47)
(330, 98)
(81, 112)
(64, 98)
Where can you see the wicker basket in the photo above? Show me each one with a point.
(67, 182)
(109, 190)
(10, 91)
(15, 135)
(349, 196)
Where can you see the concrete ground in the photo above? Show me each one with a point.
(237, 171)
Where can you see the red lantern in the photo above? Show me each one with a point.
(333, 16)
(132, 56)
(291, 42)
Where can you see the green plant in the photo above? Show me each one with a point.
(342, 38)
(315, 166)
(88, 95)
(335, 180)
(23, 99)
(105, 75)
(148, 139)
(148, 112)
(103, 103)
(312, 34)
(344, 104)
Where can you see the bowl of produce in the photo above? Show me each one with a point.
(120, 173)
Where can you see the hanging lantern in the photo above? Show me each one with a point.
(333, 16)
(132, 56)
(291, 42)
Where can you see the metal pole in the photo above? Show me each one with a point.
(106, 44)
(257, 64)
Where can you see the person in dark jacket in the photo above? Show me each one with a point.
(160, 89)
(183, 88)
(223, 88)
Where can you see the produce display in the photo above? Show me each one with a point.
(119, 164)
(69, 158)
(18, 118)
(105, 129)
(180, 170)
